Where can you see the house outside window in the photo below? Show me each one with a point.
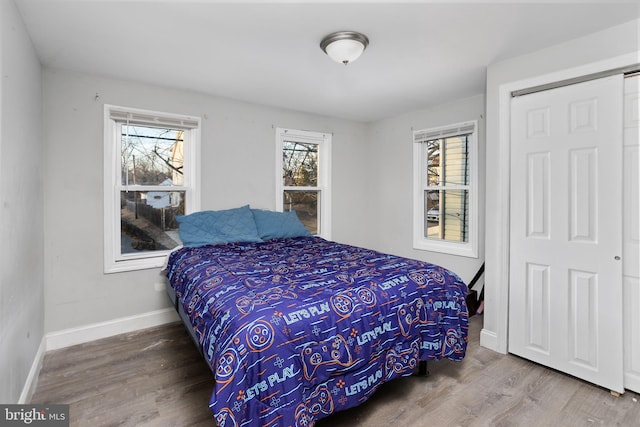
(150, 177)
(303, 181)
(445, 189)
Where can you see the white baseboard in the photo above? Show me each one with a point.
(32, 379)
(96, 331)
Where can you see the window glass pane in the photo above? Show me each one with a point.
(447, 215)
(151, 156)
(305, 203)
(299, 164)
(448, 161)
(433, 162)
(148, 220)
(432, 216)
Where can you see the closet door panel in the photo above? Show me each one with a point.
(565, 284)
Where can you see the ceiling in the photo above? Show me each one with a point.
(420, 54)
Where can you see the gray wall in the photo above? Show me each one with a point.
(389, 189)
(21, 199)
(238, 155)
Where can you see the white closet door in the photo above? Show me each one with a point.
(631, 234)
(565, 291)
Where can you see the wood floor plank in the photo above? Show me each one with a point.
(156, 377)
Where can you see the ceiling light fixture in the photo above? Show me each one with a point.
(344, 46)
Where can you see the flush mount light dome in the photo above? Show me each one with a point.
(344, 46)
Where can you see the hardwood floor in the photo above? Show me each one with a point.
(155, 377)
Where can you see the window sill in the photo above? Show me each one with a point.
(156, 261)
(451, 248)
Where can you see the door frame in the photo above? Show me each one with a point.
(498, 267)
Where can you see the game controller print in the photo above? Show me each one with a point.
(417, 277)
(319, 402)
(246, 304)
(226, 365)
(400, 360)
(343, 303)
(255, 337)
(331, 353)
(437, 275)
(225, 418)
(211, 283)
(411, 313)
(195, 299)
(302, 417)
(452, 343)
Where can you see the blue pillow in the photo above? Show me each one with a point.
(278, 225)
(215, 227)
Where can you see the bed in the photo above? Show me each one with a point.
(295, 327)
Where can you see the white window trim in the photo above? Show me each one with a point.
(420, 242)
(114, 261)
(323, 140)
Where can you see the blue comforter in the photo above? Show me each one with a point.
(296, 329)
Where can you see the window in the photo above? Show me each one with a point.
(445, 189)
(150, 177)
(303, 177)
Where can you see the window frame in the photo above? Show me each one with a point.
(114, 260)
(420, 185)
(323, 141)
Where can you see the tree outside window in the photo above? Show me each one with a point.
(150, 176)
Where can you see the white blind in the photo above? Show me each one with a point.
(146, 119)
(460, 129)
